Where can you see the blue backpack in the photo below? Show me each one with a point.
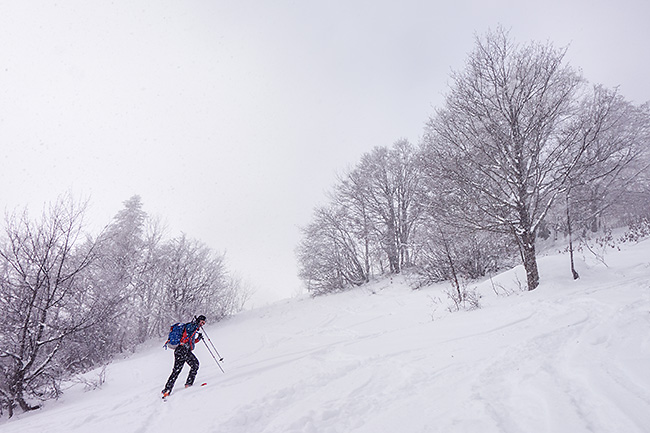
(175, 335)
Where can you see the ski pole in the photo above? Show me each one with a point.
(213, 357)
(213, 346)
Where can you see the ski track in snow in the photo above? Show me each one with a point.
(568, 357)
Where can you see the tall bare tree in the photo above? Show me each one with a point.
(504, 138)
(385, 183)
(615, 135)
(370, 223)
(43, 300)
(195, 280)
(331, 256)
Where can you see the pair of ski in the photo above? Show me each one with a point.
(165, 397)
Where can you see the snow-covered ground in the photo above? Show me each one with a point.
(571, 356)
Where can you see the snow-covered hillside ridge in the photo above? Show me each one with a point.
(571, 356)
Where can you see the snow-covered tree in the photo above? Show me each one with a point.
(126, 263)
(369, 223)
(331, 257)
(386, 181)
(196, 281)
(43, 300)
(508, 137)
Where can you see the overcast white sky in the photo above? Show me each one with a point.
(231, 119)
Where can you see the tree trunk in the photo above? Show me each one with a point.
(529, 256)
(25, 406)
(454, 275)
(392, 250)
(17, 397)
(366, 246)
(568, 221)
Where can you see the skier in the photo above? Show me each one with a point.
(183, 353)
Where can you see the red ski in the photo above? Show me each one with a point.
(166, 395)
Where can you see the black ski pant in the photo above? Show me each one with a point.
(182, 355)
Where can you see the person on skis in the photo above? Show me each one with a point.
(183, 353)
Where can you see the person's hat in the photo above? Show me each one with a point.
(201, 317)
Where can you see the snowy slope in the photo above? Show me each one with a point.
(572, 356)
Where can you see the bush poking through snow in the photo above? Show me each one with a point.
(91, 384)
(463, 299)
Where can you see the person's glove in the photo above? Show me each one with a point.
(200, 336)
